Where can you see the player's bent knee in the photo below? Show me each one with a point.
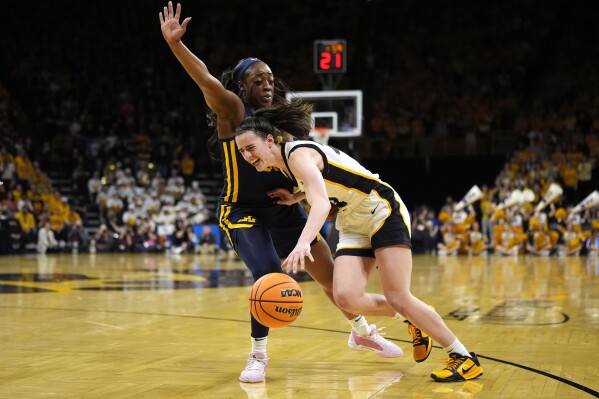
(346, 300)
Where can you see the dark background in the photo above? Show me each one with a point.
(80, 59)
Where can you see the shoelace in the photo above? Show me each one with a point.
(377, 336)
(416, 334)
(255, 363)
(451, 363)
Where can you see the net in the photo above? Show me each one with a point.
(321, 134)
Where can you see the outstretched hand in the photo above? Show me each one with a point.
(297, 257)
(169, 23)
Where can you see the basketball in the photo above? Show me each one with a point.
(276, 300)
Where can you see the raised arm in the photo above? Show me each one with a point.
(226, 104)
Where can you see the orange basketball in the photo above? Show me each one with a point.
(276, 300)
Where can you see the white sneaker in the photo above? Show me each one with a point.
(373, 342)
(255, 369)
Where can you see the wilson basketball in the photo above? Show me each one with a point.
(276, 300)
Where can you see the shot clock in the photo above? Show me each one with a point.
(330, 56)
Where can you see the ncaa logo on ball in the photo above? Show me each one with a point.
(288, 293)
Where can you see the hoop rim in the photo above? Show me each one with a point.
(321, 131)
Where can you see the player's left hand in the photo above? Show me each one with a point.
(297, 257)
(281, 196)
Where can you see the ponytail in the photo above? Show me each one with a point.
(293, 118)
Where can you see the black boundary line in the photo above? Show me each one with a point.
(543, 373)
(573, 384)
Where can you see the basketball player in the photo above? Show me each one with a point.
(261, 231)
(373, 224)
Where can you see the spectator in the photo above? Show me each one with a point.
(572, 242)
(7, 168)
(131, 215)
(569, 175)
(127, 239)
(421, 232)
(78, 237)
(94, 185)
(183, 238)
(28, 227)
(24, 169)
(14, 229)
(592, 243)
(207, 240)
(146, 240)
(450, 243)
(162, 159)
(60, 227)
(175, 185)
(585, 178)
(5, 234)
(105, 239)
(187, 165)
(114, 226)
(115, 205)
(477, 243)
(539, 242)
(45, 239)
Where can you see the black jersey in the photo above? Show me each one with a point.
(243, 184)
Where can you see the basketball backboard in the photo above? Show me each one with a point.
(336, 112)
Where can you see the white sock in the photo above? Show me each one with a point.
(259, 344)
(360, 325)
(457, 347)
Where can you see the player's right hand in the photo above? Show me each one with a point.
(297, 257)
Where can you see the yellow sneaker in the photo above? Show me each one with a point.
(459, 368)
(421, 342)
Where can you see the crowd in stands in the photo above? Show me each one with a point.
(128, 130)
(147, 206)
(506, 232)
(440, 90)
(32, 211)
(145, 211)
(533, 224)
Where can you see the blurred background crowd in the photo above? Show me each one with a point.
(103, 135)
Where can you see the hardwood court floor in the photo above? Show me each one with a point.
(163, 326)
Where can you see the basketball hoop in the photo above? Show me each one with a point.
(339, 111)
(321, 134)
